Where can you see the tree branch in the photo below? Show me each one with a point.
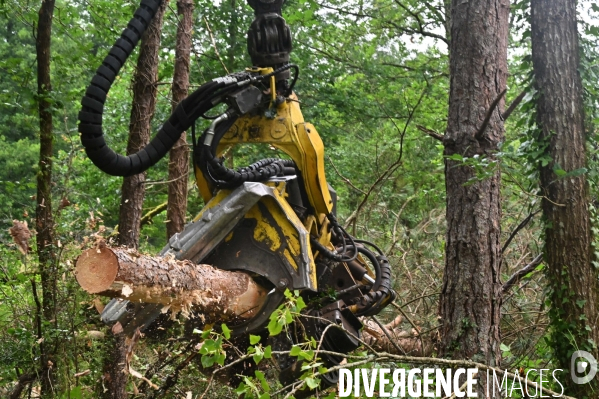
(517, 229)
(513, 105)
(23, 381)
(483, 127)
(517, 276)
(147, 218)
(430, 132)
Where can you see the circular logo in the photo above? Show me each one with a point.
(581, 363)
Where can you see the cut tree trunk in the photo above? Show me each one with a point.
(470, 302)
(572, 278)
(178, 165)
(180, 285)
(142, 112)
(214, 295)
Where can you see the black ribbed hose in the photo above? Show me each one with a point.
(90, 117)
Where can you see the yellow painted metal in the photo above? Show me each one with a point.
(213, 201)
(288, 132)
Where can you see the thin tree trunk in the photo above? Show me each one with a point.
(470, 301)
(133, 188)
(178, 166)
(232, 53)
(572, 278)
(142, 112)
(44, 219)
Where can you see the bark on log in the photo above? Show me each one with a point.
(180, 286)
(214, 294)
(408, 341)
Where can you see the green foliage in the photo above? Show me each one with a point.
(368, 80)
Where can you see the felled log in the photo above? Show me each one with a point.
(215, 294)
(179, 285)
(391, 338)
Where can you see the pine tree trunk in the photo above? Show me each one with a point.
(44, 219)
(180, 285)
(560, 116)
(133, 188)
(178, 166)
(470, 302)
(144, 105)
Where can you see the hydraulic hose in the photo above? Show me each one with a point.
(90, 117)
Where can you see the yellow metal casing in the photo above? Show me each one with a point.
(288, 132)
(270, 240)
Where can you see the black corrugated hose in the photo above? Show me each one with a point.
(90, 117)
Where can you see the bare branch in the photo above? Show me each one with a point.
(513, 105)
(214, 46)
(22, 383)
(516, 277)
(517, 229)
(483, 127)
(430, 132)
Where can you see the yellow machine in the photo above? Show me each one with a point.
(274, 219)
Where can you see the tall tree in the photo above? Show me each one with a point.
(133, 188)
(471, 295)
(44, 220)
(560, 117)
(178, 166)
(142, 112)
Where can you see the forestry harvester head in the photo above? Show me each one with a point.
(274, 219)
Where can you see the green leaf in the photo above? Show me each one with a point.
(226, 331)
(241, 389)
(455, 157)
(259, 354)
(274, 328)
(263, 382)
(220, 359)
(308, 355)
(310, 366)
(312, 382)
(504, 348)
(207, 361)
(300, 304)
(268, 352)
(288, 316)
(254, 339)
(295, 350)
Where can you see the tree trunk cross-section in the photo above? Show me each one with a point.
(180, 285)
(471, 296)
